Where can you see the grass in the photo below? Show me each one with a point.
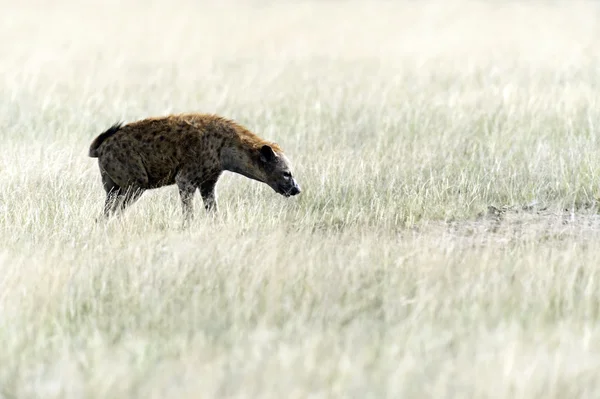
(444, 245)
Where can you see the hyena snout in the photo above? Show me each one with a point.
(295, 190)
(290, 188)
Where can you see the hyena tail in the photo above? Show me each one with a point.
(100, 139)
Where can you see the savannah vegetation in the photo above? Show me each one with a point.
(445, 243)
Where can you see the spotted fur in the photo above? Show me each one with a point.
(189, 150)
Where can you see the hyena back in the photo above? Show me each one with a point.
(190, 150)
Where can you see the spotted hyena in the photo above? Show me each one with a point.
(190, 150)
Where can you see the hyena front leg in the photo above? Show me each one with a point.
(209, 195)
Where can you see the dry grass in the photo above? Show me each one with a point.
(445, 244)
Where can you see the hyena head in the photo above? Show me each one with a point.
(277, 171)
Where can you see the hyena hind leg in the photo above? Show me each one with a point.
(122, 180)
(113, 191)
(186, 193)
(117, 198)
(209, 196)
(130, 195)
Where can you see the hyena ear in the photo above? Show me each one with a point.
(267, 154)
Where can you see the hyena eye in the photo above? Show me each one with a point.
(287, 175)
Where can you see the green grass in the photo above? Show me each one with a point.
(444, 245)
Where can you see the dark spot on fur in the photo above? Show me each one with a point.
(161, 137)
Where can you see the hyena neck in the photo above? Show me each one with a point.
(238, 159)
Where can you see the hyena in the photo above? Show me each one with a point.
(190, 150)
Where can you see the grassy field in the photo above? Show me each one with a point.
(446, 243)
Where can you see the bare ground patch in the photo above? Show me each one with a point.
(531, 223)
